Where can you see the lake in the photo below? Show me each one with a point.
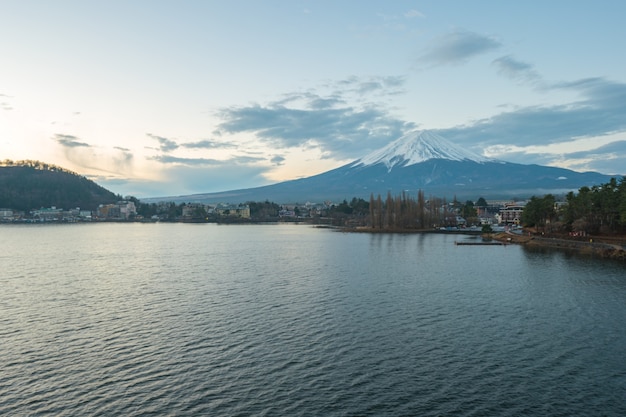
(273, 320)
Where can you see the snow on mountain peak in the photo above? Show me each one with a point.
(416, 147)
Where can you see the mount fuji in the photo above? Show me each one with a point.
(418, 160)
(418, 147)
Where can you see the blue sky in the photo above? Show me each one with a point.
(155, 98)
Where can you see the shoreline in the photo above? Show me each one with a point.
(592, 248)
(596, 247)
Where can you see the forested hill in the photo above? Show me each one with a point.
(27, 185)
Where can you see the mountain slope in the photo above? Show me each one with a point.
(27, 185)
(417, 161)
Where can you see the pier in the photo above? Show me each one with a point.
(480, 243)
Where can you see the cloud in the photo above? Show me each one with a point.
(323, 121)
(310, 100)
(122, 161)
(277, 160)
(320, 103)
(168, 159)
(516, 70)
(384, 85)
(207, 144)
(599, 112)
(458, 47)
(600, 93)
(219, 178)
(339, 93)
(69, 141)
(115, 161)
(245, 160)
(605, 151)
(166, 145)
(609, 158)
(411, 14)
(344, 131)
(236, 160)
(189, 179)
(5, 105)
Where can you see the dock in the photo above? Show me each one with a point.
(479, 243)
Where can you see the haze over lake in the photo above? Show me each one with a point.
(179, 319)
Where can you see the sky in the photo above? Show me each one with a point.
(157, 98)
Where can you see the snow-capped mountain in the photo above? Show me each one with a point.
(417, 161)
(416, 147)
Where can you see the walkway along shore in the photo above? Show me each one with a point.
(591, 247)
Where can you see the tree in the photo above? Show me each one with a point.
(539, 211)
(373, 213)
(359, 206)
(622, 201)
(468, 211)
(379, 211)
(421, 210)
(601, 208)
(389, 215)
(263, 210)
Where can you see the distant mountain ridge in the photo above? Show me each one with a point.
(27, 185)
(419, 160)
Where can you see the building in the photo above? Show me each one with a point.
(194, 211)
(233, 210)
(127, 209)
(48, 214)
(122, 210)
(6, 214)
(511, 213)
(287, 213)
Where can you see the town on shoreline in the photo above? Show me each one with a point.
(501, 222)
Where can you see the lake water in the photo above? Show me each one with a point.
(290, 320)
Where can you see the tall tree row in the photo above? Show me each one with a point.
(404, 212)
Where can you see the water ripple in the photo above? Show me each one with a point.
(289, 320)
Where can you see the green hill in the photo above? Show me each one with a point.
(27, 185)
